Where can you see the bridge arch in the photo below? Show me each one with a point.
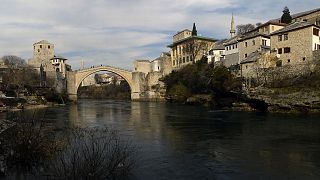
(78, 76)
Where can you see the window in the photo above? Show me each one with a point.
(272, 28)
(180, 61)
(264, 42)
(246, 55)
(236, 45)
(34, 47)
(253, 42)
(318, 46)
(280, 51)
(286, 50)
(246, 44)
(38, 50)
(48, 46)
(183, 59)
(280, 38)
(315, 32)
(304, 58)
(288, 60)
(246, 66)
(285, 37)
(40, 46)
(227, 48)
(158, 68)
(232, 46)
(187, 58)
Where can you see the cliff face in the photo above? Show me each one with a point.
(287, 99)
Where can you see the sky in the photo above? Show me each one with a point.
(117, 32)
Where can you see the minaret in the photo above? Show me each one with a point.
(194, 30)
(233, 30)
(82, 64)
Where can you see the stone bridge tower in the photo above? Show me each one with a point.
(43, 51)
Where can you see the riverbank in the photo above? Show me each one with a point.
(273, 100)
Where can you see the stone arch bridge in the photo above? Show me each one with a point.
(74, 79)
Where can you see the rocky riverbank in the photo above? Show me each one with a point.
(290, 100)
(282, 100)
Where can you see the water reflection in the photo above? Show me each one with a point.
(187, 142)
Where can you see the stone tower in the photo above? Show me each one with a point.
(232, 30)
(43, 51)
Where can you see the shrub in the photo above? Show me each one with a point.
(179, 92)
(93, 154)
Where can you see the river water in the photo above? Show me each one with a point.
(191, 142)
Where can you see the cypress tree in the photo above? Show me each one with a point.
(194, 30)
(286, 17)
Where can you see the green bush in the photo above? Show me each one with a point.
(179, 92)
(203, 78)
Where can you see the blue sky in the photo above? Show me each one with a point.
(116, 32)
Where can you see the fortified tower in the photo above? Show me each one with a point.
(43, 51)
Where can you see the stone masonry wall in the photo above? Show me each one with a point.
(316, 55)
(300, 43)
(250, 46)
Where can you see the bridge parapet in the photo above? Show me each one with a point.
(99, 67)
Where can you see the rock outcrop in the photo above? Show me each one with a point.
(287, 99)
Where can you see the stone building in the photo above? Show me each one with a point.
(187, 47)
(142, 66)
(43, 51)
(258, 39)
(147, 75)
(232, 52)
(161, 64)
(59, 65)
(295, 43)
(52, 69)
(250, 66)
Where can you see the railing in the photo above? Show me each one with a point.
(101, 66)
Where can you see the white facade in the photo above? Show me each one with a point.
(216, 56)
(155, 66)
(316, 41)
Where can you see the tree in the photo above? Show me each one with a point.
(286, 17)
(244, 28)
(258, 24)
(194, 30)
(197, 48)
(13, 61)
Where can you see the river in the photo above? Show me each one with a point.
(191, 142)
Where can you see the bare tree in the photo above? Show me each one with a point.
(14, 61)
(197, 48)
(244, 28)
(94, 154)
(262, 65)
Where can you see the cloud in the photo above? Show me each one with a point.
(116, 32)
